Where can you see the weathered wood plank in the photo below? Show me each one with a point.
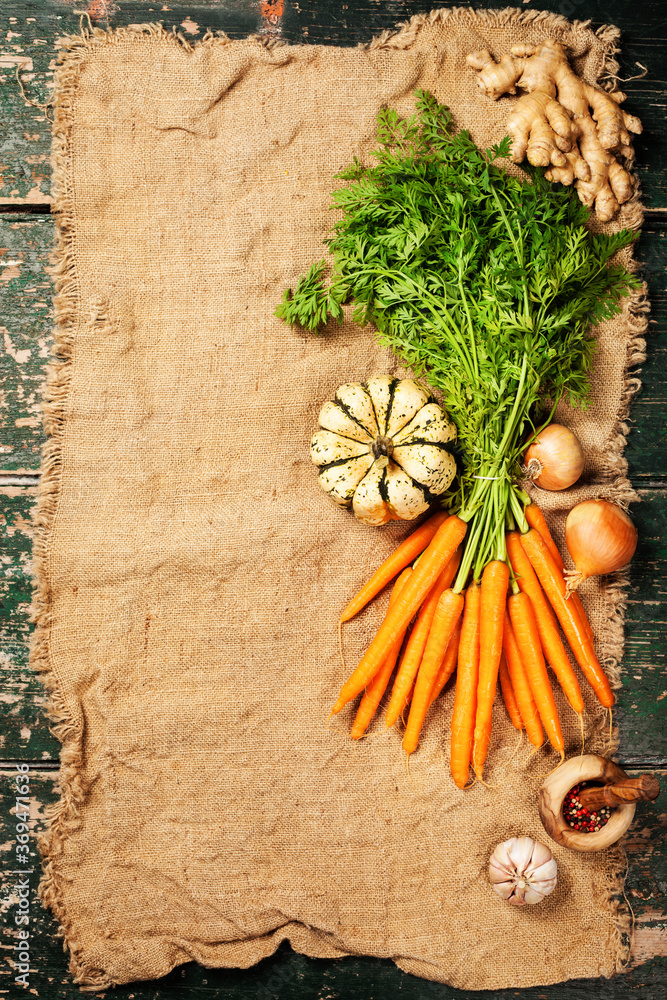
(640, 712)
(26, 319)
(645, 448)
(27, 31)
(24, 732)
(288, 976)
(26, 49)
(646, 889)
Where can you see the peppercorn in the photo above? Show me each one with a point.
(581, 819)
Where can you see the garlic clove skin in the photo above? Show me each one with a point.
(501, 858)
(498, 873)
(543, 872)
(541, 855)
(505, 889)
(522, 871)
(521, 853)
(532, 895)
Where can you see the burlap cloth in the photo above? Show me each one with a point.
(190, 572)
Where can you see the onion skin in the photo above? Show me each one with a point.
(557, 458)
(600, 537)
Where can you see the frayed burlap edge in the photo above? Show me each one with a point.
(65, 817)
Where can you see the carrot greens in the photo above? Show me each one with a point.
(485, 283)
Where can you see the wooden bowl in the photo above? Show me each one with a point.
(589, 767)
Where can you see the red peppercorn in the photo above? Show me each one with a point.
(583, 819)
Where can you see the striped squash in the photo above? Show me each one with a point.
(384, 449)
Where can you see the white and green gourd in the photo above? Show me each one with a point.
(384, 449)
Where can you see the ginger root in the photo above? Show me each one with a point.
(575, 130)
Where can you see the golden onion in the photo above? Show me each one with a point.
(600, 537)
(555, 459)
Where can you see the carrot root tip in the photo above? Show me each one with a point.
(478, 777)
(511, 757)
(561, 760)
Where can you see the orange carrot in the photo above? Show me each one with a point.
(465, 698)
(408, 700)
(527, 637)
(508, 694)
(536, 520)
(401, 557)
(447, 613)
(495, 580)
(416, 644)
(373, 693)
(521, 687)
(435, 557)
(448, 665)
(553, 585)
(523, 571)
(576, 600)
(552, 644)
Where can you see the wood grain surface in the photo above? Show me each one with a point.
(28, 30)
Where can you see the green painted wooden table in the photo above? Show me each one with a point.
(28, 29)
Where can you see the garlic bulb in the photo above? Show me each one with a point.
(522, 871)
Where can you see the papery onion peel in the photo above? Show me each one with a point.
(600, 537)
(555, 459)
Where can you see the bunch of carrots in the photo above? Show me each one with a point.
(502, 627)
